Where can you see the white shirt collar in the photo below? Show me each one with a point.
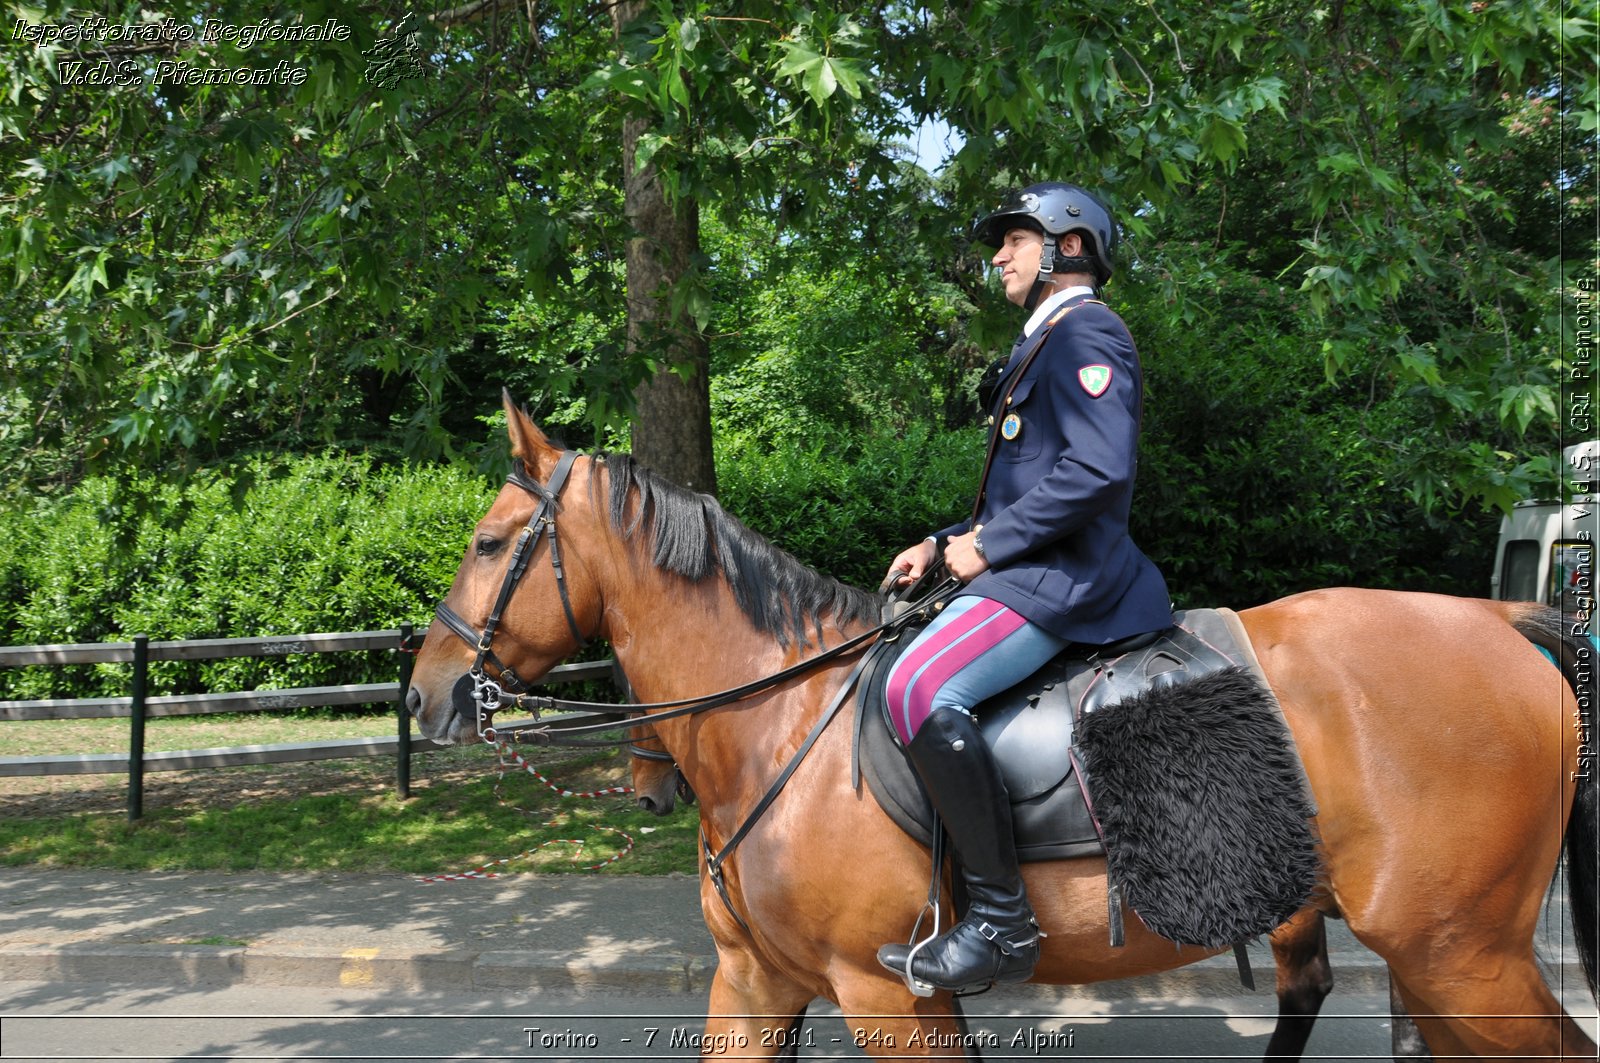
(1042, 312)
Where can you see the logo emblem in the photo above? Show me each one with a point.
(1011, 427)
(1095, 379)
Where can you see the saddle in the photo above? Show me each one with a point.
(1031, 727)
(1166, 753)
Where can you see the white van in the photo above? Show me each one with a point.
(1547, 549)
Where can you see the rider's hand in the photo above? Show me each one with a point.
(961, 557)
(910, 563)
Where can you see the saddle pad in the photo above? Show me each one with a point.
(1208, 822)
(1029, 727)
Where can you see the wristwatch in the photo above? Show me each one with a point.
(977, 543)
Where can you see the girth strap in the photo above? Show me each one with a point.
(714, 861)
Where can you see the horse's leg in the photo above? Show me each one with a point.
(884, 1019)
(1300, 948)
(1504, 1010)
(751, 1009)
(1305, 979)
(1407, 1042)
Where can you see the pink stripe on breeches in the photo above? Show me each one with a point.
(973, 650)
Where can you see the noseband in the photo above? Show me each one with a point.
(684, 791)
(487, 691)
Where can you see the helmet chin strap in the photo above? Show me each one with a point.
(1051, 263)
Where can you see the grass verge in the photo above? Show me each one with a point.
(341, 815)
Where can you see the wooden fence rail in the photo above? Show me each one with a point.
(203, 649)
(139, 705)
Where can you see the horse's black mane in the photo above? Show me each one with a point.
(694, 536)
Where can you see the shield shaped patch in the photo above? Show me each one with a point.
(1095, 379)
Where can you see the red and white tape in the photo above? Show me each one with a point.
(508, 757)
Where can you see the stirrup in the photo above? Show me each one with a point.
(918, 987)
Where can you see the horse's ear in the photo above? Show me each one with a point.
(527, 442)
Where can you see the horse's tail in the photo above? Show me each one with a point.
(1545, 628)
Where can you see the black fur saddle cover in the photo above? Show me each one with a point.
(1172, 759)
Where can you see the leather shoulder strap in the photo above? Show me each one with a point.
(1035, 345)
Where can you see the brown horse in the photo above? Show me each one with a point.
(1299, 947)
(1444, 753)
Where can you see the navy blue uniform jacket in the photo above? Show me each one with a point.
(1055, 507)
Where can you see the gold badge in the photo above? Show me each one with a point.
(1011, 427)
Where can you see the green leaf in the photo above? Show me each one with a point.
(820, 81)
(677, 87)
(1522, 403)
(1223, 139)
(848, 75)
(649, 145)
(113, 168)
(635, 82)
(689, 34)
(797, 59)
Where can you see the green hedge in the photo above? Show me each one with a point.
(307, 545)
(1260, 477)
(848, 509)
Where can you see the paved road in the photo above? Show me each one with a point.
(108, 966)
(273, 1023)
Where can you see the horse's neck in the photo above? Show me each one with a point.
(687, 641)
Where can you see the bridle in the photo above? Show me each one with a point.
(489, 692)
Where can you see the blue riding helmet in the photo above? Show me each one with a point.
(1056, 208)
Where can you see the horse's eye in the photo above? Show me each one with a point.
(488, 545)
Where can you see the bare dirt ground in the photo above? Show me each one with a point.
(60, 795)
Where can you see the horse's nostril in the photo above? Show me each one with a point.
(413, 700)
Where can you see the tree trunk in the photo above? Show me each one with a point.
(672, 431)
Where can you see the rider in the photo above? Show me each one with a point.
(1046, 561)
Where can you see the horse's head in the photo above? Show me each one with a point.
(524, 596)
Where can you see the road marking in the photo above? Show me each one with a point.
(357, 969)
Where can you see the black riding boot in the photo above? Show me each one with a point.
(998, 940)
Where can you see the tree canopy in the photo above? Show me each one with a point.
(236, 226)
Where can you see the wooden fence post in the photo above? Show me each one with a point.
(141, 676)
(402, 765)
